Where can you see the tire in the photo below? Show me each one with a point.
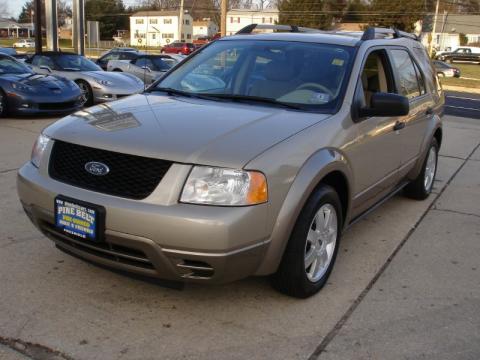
(294, 277)
(86, 91)
(422, 186)
(3, 104)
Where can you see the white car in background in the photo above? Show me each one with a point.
(24, 43)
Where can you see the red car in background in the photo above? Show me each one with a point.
(178, 48)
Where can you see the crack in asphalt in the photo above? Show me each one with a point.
(455, 212)
(32, 350)
(336, 329)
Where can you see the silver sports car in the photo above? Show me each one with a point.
(146, 67)
(96, 85)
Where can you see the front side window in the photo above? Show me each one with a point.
(374, 76)
(309, 76)
(406, 75)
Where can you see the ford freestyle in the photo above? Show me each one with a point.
(251, 157)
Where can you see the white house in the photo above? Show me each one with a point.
(239, 18)
(448, 29)
(158, 28)
(204, 28)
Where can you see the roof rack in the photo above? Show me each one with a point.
(279, 28)
(371, 33)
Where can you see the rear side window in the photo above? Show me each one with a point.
(128, 55)
(407, 81)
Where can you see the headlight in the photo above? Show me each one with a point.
(38, 149)
(225, 187)
(104, 82)
(23, 87)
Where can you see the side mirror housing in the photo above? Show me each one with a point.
(386, 104)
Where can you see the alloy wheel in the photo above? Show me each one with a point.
(430, 169)
(321, 242)
(85, 92)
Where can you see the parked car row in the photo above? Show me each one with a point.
(460, 54)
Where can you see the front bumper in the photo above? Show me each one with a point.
(37, 104)
(170, 241)
(103, 94)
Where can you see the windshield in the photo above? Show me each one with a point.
(164, 64)
(10, 66)
(75, 63)
(307, 75)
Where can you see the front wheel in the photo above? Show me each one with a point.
(87, 93)
(422, 186)
(313, 245)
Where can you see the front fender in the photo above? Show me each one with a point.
(311, 173)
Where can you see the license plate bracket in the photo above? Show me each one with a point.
(79, 219)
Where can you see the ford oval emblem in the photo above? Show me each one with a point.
(97, 168)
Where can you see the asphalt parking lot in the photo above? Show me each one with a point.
(406, 285)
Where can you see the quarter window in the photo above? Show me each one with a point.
(406, 75)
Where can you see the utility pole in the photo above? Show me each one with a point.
(38, 26)
(223, 18)
(180, 21)
(434, 28)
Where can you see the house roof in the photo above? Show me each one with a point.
(457, 23)
(201, 23)
(7, 23)
(158, 13)
(249, 11)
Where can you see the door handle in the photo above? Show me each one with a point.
(399, 125)
(429, 111)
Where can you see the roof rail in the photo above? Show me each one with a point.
(285, 28)
(371, 33)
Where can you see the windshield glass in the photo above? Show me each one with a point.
(75, 63)
(164, 64)
(10, 66)
(308, 75)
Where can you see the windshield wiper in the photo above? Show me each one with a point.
(264, 100)
(172, 91)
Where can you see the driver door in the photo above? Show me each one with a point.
(376, 154)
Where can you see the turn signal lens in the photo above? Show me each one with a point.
(257, 191)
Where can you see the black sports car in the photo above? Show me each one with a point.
(23, 91)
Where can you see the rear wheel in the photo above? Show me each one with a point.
(422, 186)
(313, 245)
(3, 104)
(87, 94)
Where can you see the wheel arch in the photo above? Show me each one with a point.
(327, 166)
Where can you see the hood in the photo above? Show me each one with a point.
(38, 81)
(182, 129)
(117, 78)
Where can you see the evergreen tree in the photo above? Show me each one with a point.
(111, 14)
(401, 15)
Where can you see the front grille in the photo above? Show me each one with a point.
(56, 106)
(130, 176)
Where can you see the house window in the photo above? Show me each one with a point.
(167, 36)
(238, 20)
(271, 22)
(153, 21)
(189, 36)
(263, 20)
(231, 19)
(154, 36)
(139, 21)
(167, 21)
(186, 22)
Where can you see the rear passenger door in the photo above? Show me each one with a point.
(410, 82)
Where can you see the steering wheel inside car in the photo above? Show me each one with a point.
(315, 87)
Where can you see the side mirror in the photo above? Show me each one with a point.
(45, 67)
(386, 104)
